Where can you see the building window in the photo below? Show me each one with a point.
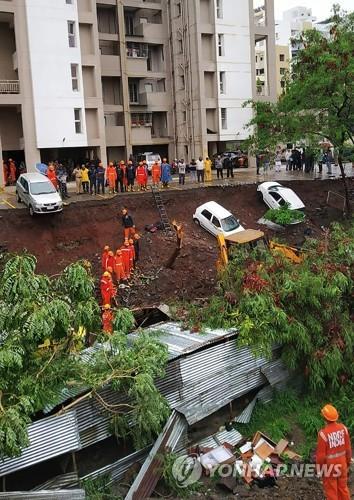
(184, 114)
(256, 58)
(78, 120)
(182, 82)
(261, 71)
(75, 76)
(282, 84)
(69, 2)
(219, 9)
(282, 71)
(222, 82)
(281, 57)
(223, 118)
(133, 93)
(180, 46)
(221, 45)
(178, 9)
(71, 34)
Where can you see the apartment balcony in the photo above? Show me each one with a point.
(148, 4)
(114, 135)
(157, 101)
(110, 65)
(141, 135)
(136, 66)
(159, 135)
(149, 31)
(9, 86)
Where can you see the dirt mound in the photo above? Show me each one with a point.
(84, 228)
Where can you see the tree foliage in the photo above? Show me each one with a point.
(318, 102)
(307, 308)
(42, 332)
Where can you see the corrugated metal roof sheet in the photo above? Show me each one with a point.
(150, 472)
(59, 482)
(275, 371)
(245, 416)
(232, 437)
(116, 470)
(44, 495)
(49, 437)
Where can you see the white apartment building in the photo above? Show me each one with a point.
(110, 78)
(293, 22)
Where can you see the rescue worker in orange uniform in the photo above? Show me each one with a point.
(334, 454)
(110, 261)
(12, 169)
(126, 255)
(156, 173)
(111, 175)
(107, 288)
(104, 258)
(141, 176)
(52, 176)
(5, 170)
(132, 253)
(119, 266)
(107, 319)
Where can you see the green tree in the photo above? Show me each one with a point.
(318, 102)
(42, 331)
(307, 308)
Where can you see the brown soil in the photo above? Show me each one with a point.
(84, 228)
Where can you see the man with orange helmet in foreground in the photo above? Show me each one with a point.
(334, 454)
(107, 288)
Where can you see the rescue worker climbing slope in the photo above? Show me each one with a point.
(334, 455)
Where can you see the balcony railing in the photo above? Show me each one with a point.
(9, 87)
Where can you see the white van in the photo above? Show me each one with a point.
(216, 219)
(150, 159)
(38, 193)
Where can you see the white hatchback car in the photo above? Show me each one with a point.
(216, 219)
(276, 196)
(38, 193)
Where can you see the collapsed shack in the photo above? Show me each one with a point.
(204, 373)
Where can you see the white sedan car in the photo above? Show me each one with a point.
(276, 196)
(216, 219)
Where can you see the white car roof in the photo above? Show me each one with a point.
(35, 177)
(215, 209)
(267, 185)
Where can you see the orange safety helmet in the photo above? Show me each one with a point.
(122, 162)
(106, 306)
(106, 274)
(131, 241)
(106, 248)
(330, 413)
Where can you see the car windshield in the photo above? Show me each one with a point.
(229, 224)
(275, 187)
(42, 188)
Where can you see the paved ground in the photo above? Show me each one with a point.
(241, 176)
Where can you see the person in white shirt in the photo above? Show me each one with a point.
(278, 161)
(287, 158)
(200, 169)
(181, 172)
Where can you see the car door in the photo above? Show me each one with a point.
(216, 225)
(205, 221)
(24, 191)
(273, 199)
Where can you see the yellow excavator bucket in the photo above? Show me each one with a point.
(223, 259)
(290, 253)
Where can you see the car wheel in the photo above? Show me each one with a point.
(196, 221)
(18, 198)
(31, 211)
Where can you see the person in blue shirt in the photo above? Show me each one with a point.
(166, 177)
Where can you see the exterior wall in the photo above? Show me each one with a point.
(178, 83)
(293, 22)
(282, 52)
(50, 58)
(7, 49)
(236, 63)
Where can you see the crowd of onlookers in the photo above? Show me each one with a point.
(297, 159)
